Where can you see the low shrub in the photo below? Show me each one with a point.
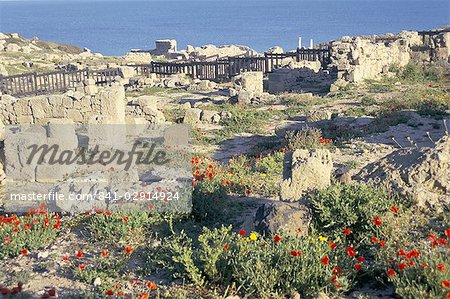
(306, 138)
(417, 269)
(266, 267)
(118, 227)
(350, 206)
(21, 234)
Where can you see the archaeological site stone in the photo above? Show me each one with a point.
(283, 217)
(423, 174)
(304, 171)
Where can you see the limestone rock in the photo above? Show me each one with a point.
(423, 174)
(318, 115)
(283, 217)
(304, 171)
(208, 115)
(192, 116)
(245, 97)
(250, 81)
(12, 48)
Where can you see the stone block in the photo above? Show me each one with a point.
(192, 116)
(305, 171)
(20, 165)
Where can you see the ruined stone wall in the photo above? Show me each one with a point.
(81, 106)
(357, 58)
(360, 58)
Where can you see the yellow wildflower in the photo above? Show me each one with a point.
(253, 236)
(322, 238)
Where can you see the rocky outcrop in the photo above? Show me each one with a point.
(304, 171)
(283, 217)
(423, 174)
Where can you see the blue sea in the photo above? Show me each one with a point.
(115, 27)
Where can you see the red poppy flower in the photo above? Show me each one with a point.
(80, 254)
(135, 282)
(151, 285)
(143, 295)
(105, 253)
(401, 266)
(448, 295)
(374, 240)
(391, 272)
(441, 267)
(242, 232)
(424, 266)
(361, 259)
(377, 221)
(411, 263)
(27, 226)
(382, 243)
(125, 219)
(226, 246)
(128, 249)
(446, 284)
(277, 238)
(358, 267)
(401, 252)
(333, 279)
(332, 245)
(82, 267)
(347, 231)
(16, 230)
(109, 292)
(299, 230)
(293, 253)
(24, 252)
(325, 261)
(442, 241)
(350, 251)
(336, 270)
(299, 253)
(447, 232)
(394, 209)
(65, 258)
(432, 237)
(7, 240)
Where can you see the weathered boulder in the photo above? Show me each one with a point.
(245, 97)
(304, 171)
(318, 115)
(192, 116)
(423, 174)
(210, 116)
(250, 81)
(283, 217)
